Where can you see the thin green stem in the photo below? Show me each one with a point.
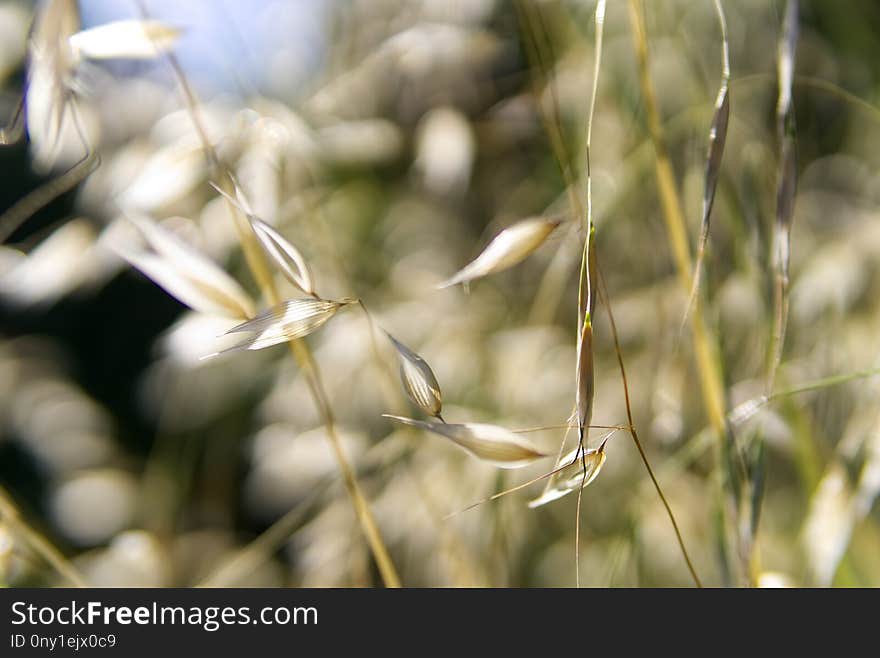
(560, 155)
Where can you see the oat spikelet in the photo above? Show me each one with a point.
(584, 374)
(492, 444)
(510, 247)
(128, 39)
(295, 318)
(186, 274)
(574, 471)
(286, 257)
(418, 379)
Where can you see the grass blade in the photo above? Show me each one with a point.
(585, 377)
(42, 196)
(746, 410)
(786, 186)
(300, 351)
(553, 126)
(42, 546)
(758, 479)
(282, 252)
(715, 151)
(706, 349)
(232, 570)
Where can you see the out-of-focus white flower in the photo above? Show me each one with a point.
(445, 151)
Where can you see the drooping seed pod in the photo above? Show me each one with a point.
(185, 273)
(490, 443)
(285, 256)
(418, 379)
(295, 318)
(510, 247)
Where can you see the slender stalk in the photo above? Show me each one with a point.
(42, 196)
(603, 292)
(818, 84)
(786, 187)
(563, 426)
(300, 350)
(839, 92)
(307, 363)
(714, 155)
(586, 297)
(705, 349)
(597, 60)
(577, 536)
(560, 155)
(41, 546)
(826, 382)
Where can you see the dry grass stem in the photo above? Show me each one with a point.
(715, 151)
(174, 226)
(300, 350)
(40, 545)
(290, 320)
(786, 185)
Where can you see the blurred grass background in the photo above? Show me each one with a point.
(390, 150)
